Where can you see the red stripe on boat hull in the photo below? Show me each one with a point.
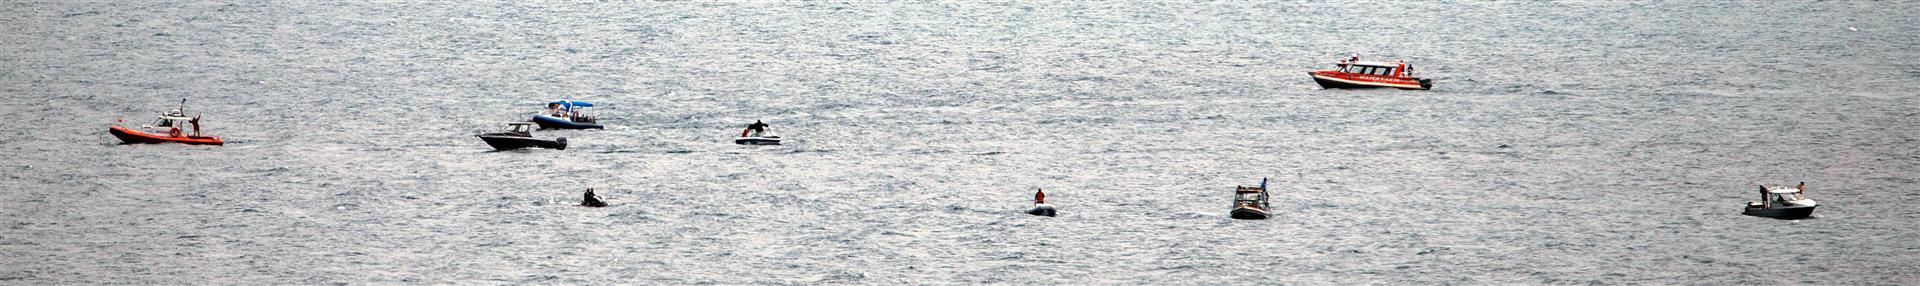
(1332, 79)
(136, 137)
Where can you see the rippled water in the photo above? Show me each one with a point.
(1564, 143)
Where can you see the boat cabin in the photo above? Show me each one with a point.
(520, 128)
(1783, 197)
(168, 121)
(1375, 68)
(1791, 196)
(1250, 197)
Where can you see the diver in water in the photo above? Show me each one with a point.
(757, 129)
(591, 200)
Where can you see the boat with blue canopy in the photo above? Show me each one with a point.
(566, 114)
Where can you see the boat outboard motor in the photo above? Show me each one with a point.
(591, 200)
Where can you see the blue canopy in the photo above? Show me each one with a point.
(570, 103)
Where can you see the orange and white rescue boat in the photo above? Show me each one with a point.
(1369, 74)
(167, 128)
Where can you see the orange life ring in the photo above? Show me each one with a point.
(175, 132)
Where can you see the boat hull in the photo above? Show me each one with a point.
(130, 136)
(757, 141)
(1332, 81)
(550, 122)
(514, 142)
(1042, 210)
(1249, 213)
(1787, 212)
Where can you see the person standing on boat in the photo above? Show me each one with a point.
(757, 129)
(196, 124)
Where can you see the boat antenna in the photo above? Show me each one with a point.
(183, 106)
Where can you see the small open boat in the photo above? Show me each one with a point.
(1782, 203)
(165, 129)
(566, 114)
(1040, 206)
(1368, 74)
(520, 135)
(1251, 202)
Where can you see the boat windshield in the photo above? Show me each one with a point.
(1372, 70)
(1791, 197)
(1248, 197)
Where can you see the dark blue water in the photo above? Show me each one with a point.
(1564, 143)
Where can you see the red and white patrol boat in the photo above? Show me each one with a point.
(1355, 73)
(168, 128)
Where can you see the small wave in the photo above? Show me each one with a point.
(1195, 215)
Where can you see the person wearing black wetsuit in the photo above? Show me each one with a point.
(591, 200)
(756, 129)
